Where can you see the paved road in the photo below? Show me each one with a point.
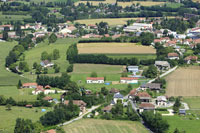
(185, 106)
(81, 116)
(171, 113)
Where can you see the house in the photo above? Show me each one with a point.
(132, 94)
(146, 107)
(162, 65)
(138, 27)
(29, 106)
(48, 98)
(182, 112)
(144, 96)
(173, 56)
(151, 86)
(29, 85)
(116, 97)
(88, 92)
(128, 80)
(80, 103)
(95, 80)
(47, 87)
(113, 91)
(188, 59)
(133, 69)
(46, 63)
(161, 101)
(107, 109)
(50, 131)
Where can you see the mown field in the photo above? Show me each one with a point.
(123, 4)
(8, 118)
(6, 77)
(104, 126)
(114, 48)
(193, 102)
(184, 82)
(7, 18)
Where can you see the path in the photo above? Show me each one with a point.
(171, 113)
(81, 116)
(186, 107)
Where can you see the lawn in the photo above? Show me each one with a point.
(6, 77)
(104, 126)
(184, 82)
(8, 118)
(114, 48)
(182, 123)
(7, 18)
(193, 102)
(123, 4)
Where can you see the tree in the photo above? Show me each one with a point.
(124, 74)
(24, 126)
(35, 65)
(151, 72)
(93, 74)
(57, 69)
(2, 100)
(45, 70)
(5, 35)
(104, 91)
(52, 38)
(44, 55)
(146, 38)
(56, 54)
(8, 107)
(19, 85)
(177, 105)
(70, 68)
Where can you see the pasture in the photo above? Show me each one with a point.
(8, 118)
(114, 48)
(184, 82)
(104, 126)
(123, 4)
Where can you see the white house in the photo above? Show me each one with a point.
(116, 97)
(133, 69)
(173, 56)
(161, 101)
(128, 80)
(137, 27)
(95, 80)
(46, 63)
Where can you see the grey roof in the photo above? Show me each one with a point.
(156, 86)
(162, 63)
(161, 98)
(112, 102)
(118, 95)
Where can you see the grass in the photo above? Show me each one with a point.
(104, 126)
(8, 118)
(123, 4)
(173, 5)
(182, 123)
(139, 56)
(114, 48)
(193, 102)
(184, 82)
(7, 18)
(8, 78)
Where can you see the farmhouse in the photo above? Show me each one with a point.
(151, 86)
(107, 109)
(133, 69)
(173, 56)
(146, 107)
(144, 96)
(81, 104)
(161, 101)
(188, 59)
(95, 80)
(162, 65)
(29, 85)
(116, 97)
(128, 80)
(48, 98)
(137, 27)
(46, 63)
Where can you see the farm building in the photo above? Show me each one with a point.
(144, 96)
(146, 107)
(188, 59)
(29, 85)
(151, 86)
(133, 69)
(107, 109)
(46, 63)
(81, 104)
(95, 80)
(173, 56)
(137, 27)
(162, 65)
(161, 101)
(128, 80)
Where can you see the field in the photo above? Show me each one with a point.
(8, 118)
(6, 77)
(193, 102)
(7, 18)
(184, 82)
(114, 48)
(128, 56)
(123, 4)
(104, 126)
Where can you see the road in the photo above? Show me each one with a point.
(81, 116)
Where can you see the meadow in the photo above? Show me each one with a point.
(114, 48)
(104, 126)
(7, 18)
(8, 118)
(184, 82)
(193, 102)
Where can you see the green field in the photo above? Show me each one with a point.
(183, 124)
(104, 126)
(8, 118)
(7, 18)
(139, 56)
(6, 77)
(173, 5)
(193, 102)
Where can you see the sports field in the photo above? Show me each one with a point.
(111, 48)
(104, 126)
(8, 118)
(123, 4)
(184, 82)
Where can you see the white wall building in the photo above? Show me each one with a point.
(95, 80)
(128, 80)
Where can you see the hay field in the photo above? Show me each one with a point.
(123, 4)
(104, 126)
(184, 82)
(111, 48)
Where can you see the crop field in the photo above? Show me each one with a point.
(111, 48)
(184, 82)
(123, 4)
(8, 118)
(104, 126)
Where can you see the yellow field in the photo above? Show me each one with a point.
(104, 126)
(123, 4)
(184, 82)
(114, 48)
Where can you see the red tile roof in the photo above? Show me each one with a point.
(128, 78)
(133, 92)
(76, 102)
(50, 131)
(47, 98)
(47, 87)
(173, 55)
(29, 84)
(191, 58)
(107, 108)
(146, 105)
(95, 78)
(143, 94)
